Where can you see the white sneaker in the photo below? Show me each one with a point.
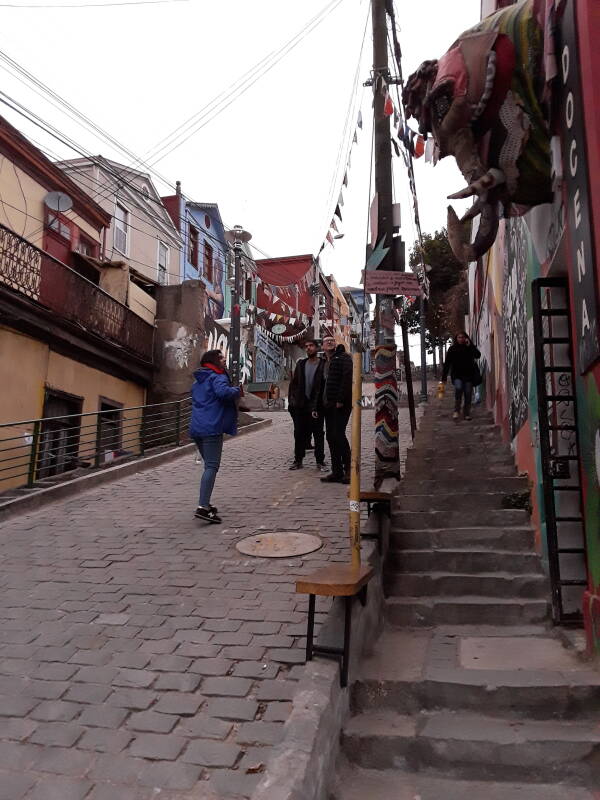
(456, 415)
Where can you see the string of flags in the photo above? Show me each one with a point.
(337, 214)
(272, 316)
(285, 339)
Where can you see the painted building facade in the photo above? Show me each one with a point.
(542, 367)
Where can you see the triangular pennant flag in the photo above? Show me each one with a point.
(321, 248)
(359, 122)
(345, 178)
(396, 147)
(355, 138)
(292, 320)
(419, 145)
(338, 213)
(388, 106)
(334, 225)
(341, 200)
(329, 238)
(396, 119)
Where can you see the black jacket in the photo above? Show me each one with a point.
(297, 398)
(460, 362)
(338, 383)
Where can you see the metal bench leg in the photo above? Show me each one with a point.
(311, 627)
(346, 656)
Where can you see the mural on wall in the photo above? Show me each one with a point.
(269, 357)
(514, 315)
(217, 338)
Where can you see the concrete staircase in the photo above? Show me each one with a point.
(468, 693)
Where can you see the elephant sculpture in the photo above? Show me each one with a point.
(484, 103)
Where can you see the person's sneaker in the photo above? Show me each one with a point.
(208, 515)
(468, 417)
(322, 467)
(332, 478)
(310, 447)
(296, 465)
(456, 415)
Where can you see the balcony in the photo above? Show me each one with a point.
(55, 287)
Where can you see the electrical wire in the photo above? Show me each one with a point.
(93, 5)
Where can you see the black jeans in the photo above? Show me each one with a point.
(462, 387)
(305, 426)
(336, 420)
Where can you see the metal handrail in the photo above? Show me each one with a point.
(60, 444)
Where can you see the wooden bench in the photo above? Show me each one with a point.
(339, 580)
(381, 504)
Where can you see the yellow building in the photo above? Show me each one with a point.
(67, 346)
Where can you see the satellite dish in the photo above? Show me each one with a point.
(58, 201)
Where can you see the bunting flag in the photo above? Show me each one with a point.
(286, 339)
(340, 201)
(355, 139)
(345, 181)
(419, 145)
(329, 238)
(359, 121)
(334, 225)
(338, 213)
(388, 105)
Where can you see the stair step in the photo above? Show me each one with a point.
(471, 562)
(477, 747)
(412, 485)
(460, 519)
(452, 584)
(448, 470)
(418, 612)
(438, 501)
(354, 783)
(482, 539)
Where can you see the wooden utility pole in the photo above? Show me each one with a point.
(387, 457)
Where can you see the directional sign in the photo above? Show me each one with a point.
(381, 281)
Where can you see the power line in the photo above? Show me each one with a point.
(93, 5)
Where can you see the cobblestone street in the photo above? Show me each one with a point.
(139, 651)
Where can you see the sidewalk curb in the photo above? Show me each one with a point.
(303, 764)
(32, 502)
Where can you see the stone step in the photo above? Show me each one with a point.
(462, 562)
(480, 539)
(420, 612)
(451, 584)
(430, 469)
(462, 452)
(441, 502)
(476, 747)
(511, 671)
(354, 783)
(413, 485)
(463, 519)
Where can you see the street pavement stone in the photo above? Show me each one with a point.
(139, 650)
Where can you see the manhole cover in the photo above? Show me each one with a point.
(279, 545)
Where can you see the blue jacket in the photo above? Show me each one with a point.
(213, 404)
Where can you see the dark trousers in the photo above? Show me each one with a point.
(462, 387)
(305, 427)
(336, 421)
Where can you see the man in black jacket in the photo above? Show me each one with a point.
(305, 400)
(337, 400)
(464, 372)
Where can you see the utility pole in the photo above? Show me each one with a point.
(387, 457)
(422, 315)
(236, 237)
(316, 293)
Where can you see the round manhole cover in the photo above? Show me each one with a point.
(279, 545)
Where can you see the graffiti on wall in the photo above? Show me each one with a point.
(269, 358)
(217, 338)
(179, 350)
(514, 314)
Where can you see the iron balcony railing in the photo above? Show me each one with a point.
(26, 269)
(39, 449)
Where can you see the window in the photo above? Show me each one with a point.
(86, 247)
(58, 224)
(163, 263)
(193, 247)
(208, 262)
(109, 429)
(121, 229)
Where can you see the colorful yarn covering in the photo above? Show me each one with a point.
(387, 455)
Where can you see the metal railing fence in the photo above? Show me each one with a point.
(33, 450)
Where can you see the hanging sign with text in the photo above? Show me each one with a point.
(579, 217)
(381, 281)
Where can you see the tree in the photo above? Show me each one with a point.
(447, 284)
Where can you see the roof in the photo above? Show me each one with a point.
(31, 159)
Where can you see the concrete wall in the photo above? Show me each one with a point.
(179, 341)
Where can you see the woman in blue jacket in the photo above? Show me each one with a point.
(214, 412)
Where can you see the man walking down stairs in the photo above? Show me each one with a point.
(468, 693)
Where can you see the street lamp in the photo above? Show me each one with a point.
(236, 237)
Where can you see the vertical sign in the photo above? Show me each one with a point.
(575, 169)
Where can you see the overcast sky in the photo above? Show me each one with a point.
(269, 158)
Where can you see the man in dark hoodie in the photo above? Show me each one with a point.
(337, 400)
(305, 400)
